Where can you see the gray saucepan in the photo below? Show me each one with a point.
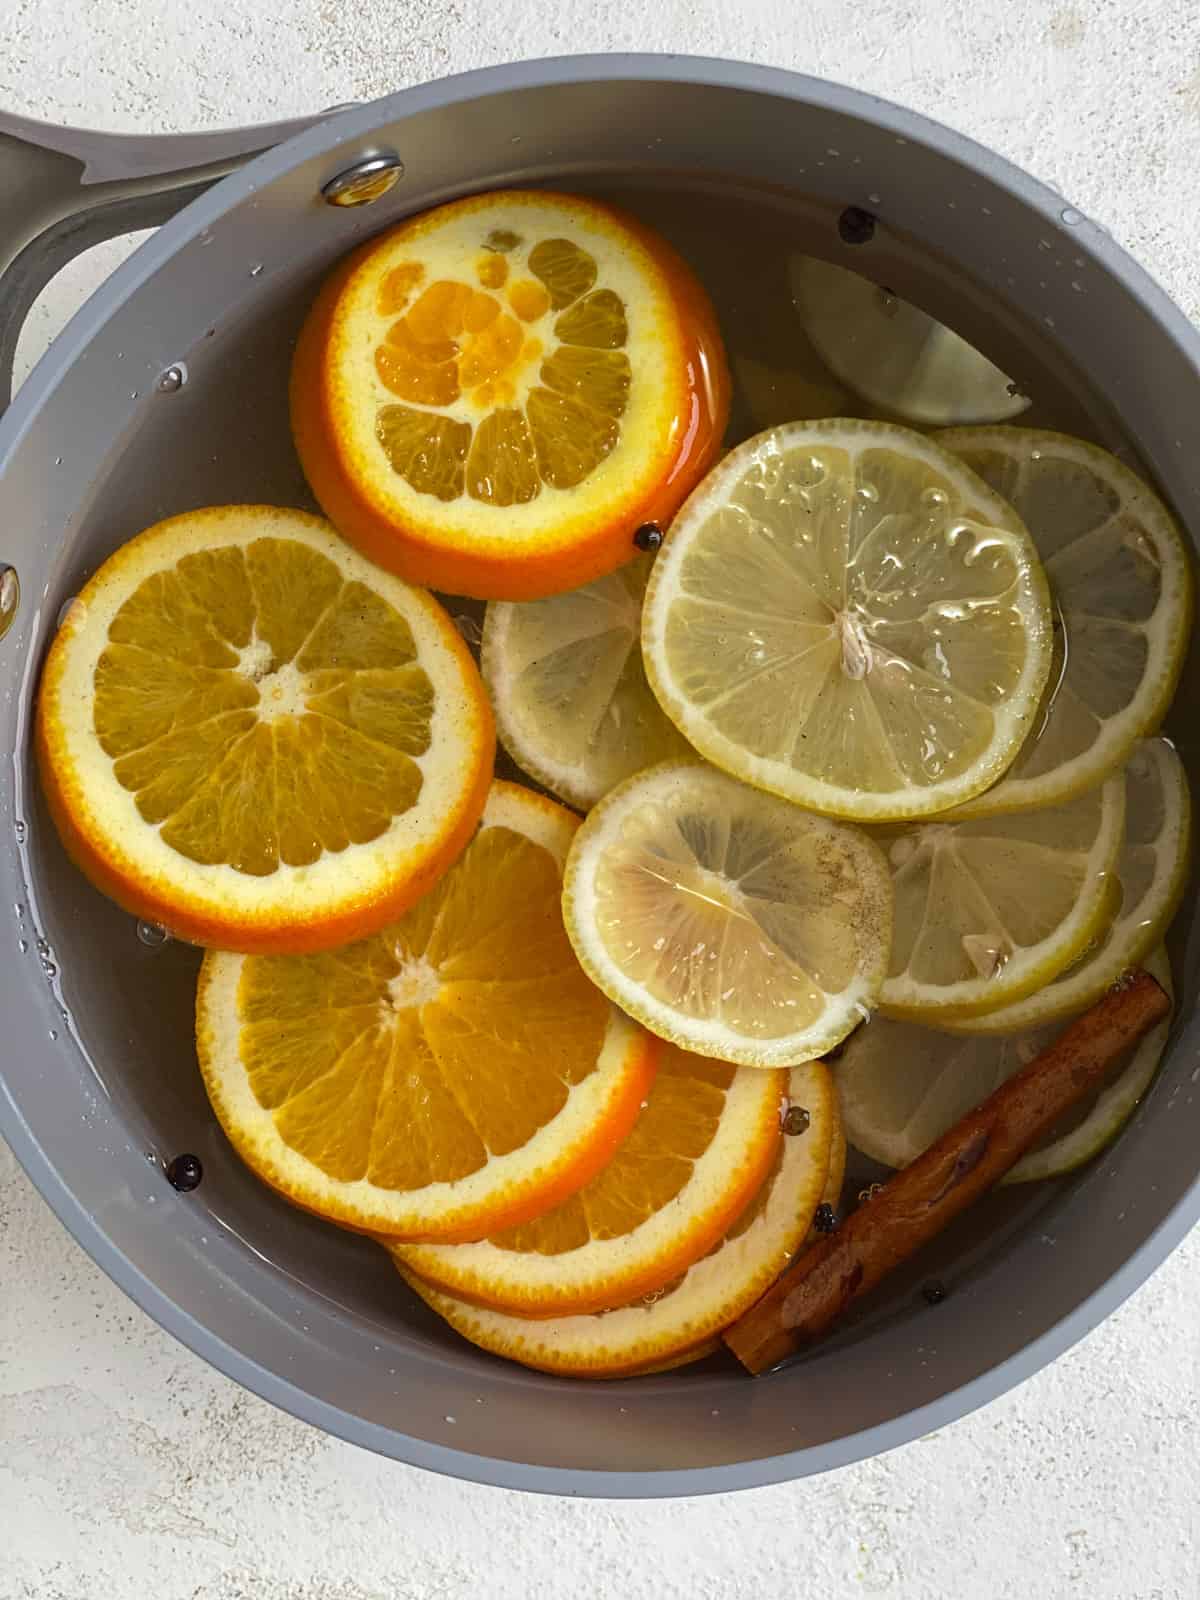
(97, 1081)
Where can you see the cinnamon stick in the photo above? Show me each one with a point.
(920, 1200)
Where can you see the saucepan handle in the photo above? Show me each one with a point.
(64, 189)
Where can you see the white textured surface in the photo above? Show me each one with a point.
(127, 1468)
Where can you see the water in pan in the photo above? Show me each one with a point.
(226, 437)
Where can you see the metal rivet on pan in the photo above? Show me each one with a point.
(173, 378)
(10, 598)
(367, 180)
(856, 226)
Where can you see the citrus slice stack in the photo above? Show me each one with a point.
(844, 614)
(450, 1076)
(680, 1319)
(251, 735)
(1122, 582)
(698, 1153)
(493, 396)
(565, 675)
(727, 920)
(990, 910)
(901, 1086)
(1151, 869)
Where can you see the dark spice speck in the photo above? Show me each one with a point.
(934, 1291)
(184, 1173)
(825, 1220)
(856, 226)
(796, 1120)
(648, 537)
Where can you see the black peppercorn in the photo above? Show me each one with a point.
(856, 226)
(825, 1220)
(934, 1291)
(184, 1173)
(648, 537)
(796, 1120)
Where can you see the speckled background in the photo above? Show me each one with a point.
(128, 1470)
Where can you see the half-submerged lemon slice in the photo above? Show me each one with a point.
(491, 397)
(726, 920)
(249, 734)
(454, 1074)
(989, 911)
(902, 1086)
(565, 676)
(894, 355)
(1121, 580)
(1151, 869)
(845, 615)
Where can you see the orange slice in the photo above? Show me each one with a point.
(707, 1298)
(697, 1154)
(492, 397)
(831, 1196)
(451, 1076)
(251, 735)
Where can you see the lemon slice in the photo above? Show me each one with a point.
(901, 1086)
(1121, 578)
(893, 354)
(1152, 870)
(698, 1153)
(842, 614)
(565, 675)
(988, 911)
(248, 733)
(725, 919)
(454, 1074)
(678, 1320)
(492, 396)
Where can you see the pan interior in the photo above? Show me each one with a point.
(224, 437)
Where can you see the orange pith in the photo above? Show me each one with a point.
(697, 1154)
(251, 736)
(480, 409)
(452, 1075)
